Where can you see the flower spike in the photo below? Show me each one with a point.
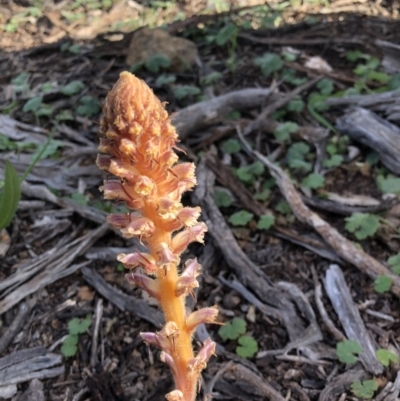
(138, 147)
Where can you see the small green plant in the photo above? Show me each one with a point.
(382, 284)
(88, 106)
(37, 108)
(347, 350)
(269, 63)
(362, 225)
(385, 357)
(75, 327)
(211, 78)
(157, 62)
(165, 79)
(295, 106)
(235, 330)
(283, 131)
(296, 156)
(183, 91)
(365, 389)
(72, 88)
(222, 198)
(313, 181)
(231, 146)
(283, 207)
(266, 222)
(10, 194)
(394, 263)
(248, 174)
(240, 218)
(388, 184)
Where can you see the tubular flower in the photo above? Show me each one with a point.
(137, 147)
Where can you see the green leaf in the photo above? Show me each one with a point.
(249, 173)
(296, 156)
(378, 76)
(283, 207)
(394, 82)
(295, 106)
(157, 62)
(283, 131)
(45, 110)
(79, 326)
(269, 63)
(394, 263)
(182, 91)
(325, 86)
(48, 149)
(240, 218)
(266, 222)
(289, 76)
(333, 161)
(165, 79)
(382, 284)
(222, 198)
(263, 195)
(317, 101)
(365, 390)
(72, 88)
(81, 199)
(88, 107)
(347, 349)
(231, 146)
(313, 181)
(33, 104)
(64, 115)
(233, 329)
(226, 34)
(248, 347)
(354, 55)
(74, 49)
(211, 78)
(9, 196)
(385, 357)
(390, 184)
(70, 346)
(362, 225)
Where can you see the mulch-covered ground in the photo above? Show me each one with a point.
(300, 286)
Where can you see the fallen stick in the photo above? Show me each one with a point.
(343, 247)
(212, 111)
(350, 318)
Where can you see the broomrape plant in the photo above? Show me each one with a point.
(137, 147)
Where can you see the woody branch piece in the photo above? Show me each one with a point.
(137, 147)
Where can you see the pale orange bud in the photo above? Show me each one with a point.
(136, 259)
(198, 363)
(138, 227)
(204, 315)
(145, 283)
(166, 256)
(187, 280)
(193, 234)
(157, 340)
(175, 395)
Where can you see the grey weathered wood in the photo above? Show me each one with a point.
(29, 364)
(123, 301)
(371, 130)
(341, 383)
(350, 318)
(212, 111)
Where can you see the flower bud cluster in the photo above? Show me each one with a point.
(137, 147)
